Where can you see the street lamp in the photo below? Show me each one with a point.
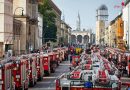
(18, 8)
(18, 47)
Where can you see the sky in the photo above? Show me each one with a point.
(87, 11)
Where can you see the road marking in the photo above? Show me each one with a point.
(49, 77)
(125, 78)
(42, 88)
(65, 64)
(45, 82)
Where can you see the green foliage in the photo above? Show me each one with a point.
(49, 27)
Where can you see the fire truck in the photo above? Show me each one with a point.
(89, 76)
(32, 65)
(62, 52)
(6, 79)
(46, 64)
(20, 73)
(128, 63)
(56, 51)
(75, 60)
(52, 61)
(40, 68)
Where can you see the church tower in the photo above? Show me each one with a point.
(78, 23)
(101, 23)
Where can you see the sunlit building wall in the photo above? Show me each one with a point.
(102, 18)
(6, 26)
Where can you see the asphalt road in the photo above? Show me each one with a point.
(48, 83)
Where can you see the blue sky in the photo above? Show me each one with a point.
(87, 10)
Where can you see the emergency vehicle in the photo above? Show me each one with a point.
(40, 68)
(75, 60)
(128, 63)
(32, 66)
(20, 73)
(56, 51)
(62, 52)
(6, 78)
(46, 64)
(92, 77)
(52, 61)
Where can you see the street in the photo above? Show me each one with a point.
(48, 83)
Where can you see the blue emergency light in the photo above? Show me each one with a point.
(88, 84)
(128, 88)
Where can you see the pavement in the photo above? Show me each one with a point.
(48, 83)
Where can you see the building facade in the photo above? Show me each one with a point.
(101, 23)
(126, 19)
(58, 13)
(6, 27)
(112, 34)
(83, 37)
(106, 36)
(120, 32)
(40, 29)
(65, 33)
(29, 27)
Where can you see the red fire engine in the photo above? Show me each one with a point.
(94, 78)
(56, 51)
(61, 54)
(20, 73)
(32, 69)
(52, 62)
(75, 60)
(128, 63)
(40, 68)
(6, 79)
(46, 64)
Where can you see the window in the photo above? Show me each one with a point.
(121, 25)
(32, 1)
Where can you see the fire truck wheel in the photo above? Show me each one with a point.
(128, 75)
(35, 81)
(52, 70)
(26, 89)
(46, 73)
(57, 64)
(40, 78)
(20, 88)
(31, 84)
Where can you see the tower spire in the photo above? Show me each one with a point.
(78, 23)
(63, 18)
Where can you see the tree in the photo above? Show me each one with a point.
(49, 26)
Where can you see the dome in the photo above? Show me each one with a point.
(103, 7)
